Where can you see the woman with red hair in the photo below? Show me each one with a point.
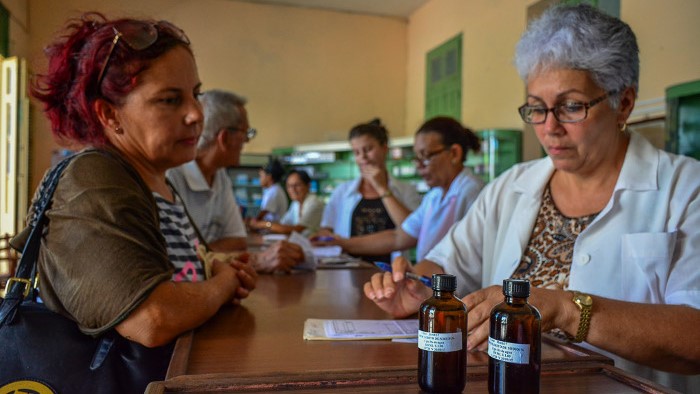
(119, 250)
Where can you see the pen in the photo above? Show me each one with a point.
(324, 238)
(423, 279)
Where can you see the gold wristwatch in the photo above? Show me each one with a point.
(585, 304)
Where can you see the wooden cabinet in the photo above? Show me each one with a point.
(246, 183)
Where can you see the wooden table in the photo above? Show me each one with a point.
(258, 347)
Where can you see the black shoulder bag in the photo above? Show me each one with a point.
(44, 352)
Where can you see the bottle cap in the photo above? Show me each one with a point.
(444, 282)
(516, 288)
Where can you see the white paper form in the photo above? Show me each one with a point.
(309, 262)
(320, 329)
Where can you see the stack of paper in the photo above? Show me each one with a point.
(333, 257)
(271, 238)
(327, 251)
(343, 330)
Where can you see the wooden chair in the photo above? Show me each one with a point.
(8, 261)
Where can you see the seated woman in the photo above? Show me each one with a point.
(118, 251)
(304, 213)
(375, 201)
(606, 228)
(441, 146)
(274, 200)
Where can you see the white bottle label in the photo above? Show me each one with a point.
(516, 353)
(439, 341)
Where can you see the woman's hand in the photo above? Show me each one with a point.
(232, 283)
(376, 176)
(256, 224)
(395, 294)
(247, 276)
(322, 235)
(481, 302)
(322, 232)
(281, 256)
(326, 239)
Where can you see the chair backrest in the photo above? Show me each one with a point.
(8, 261)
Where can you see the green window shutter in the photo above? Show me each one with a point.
(443, 80)
(4, 32)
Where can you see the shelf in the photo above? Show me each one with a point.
(246, 185)
(248, 195)
(501, 148)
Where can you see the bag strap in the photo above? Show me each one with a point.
(26, 271)
(194, 225)
(22, 284)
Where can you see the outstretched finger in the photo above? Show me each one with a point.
(399, 267)
(378, 283)
(478, 337)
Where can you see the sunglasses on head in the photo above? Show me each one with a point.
(139, 35)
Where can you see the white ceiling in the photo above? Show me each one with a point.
(391, 8)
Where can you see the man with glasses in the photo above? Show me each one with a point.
(206, 189)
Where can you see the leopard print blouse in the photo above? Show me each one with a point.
(547, 259)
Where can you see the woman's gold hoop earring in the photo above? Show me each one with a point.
(623, 128)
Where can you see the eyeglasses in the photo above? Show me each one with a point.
(566, 112)
(250, 133)
(425, 161)
(139, 35)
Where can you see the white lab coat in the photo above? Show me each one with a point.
(644, 246)
(344, 199)
(346, 196)
(440, 209)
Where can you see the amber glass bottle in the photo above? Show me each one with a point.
(442, 339)
(514, 342)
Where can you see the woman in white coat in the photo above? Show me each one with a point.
(441, 146)
(375, 201)
(606, 228)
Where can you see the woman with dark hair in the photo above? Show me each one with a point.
(304, 213)
(274, 200)
(375, 201)
(441, 146)
(118, 252)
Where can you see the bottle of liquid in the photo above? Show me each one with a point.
(442, 339)
(515, 342)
